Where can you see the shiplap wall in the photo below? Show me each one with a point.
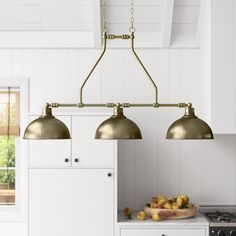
(205, 170)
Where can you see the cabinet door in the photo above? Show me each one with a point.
(88, 150)
(70, 202)
(51, 153)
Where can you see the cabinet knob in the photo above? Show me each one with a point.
(76, 160)
(109, 174)
(66, 160)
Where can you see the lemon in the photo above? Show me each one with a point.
(141, 215)
(156, 216)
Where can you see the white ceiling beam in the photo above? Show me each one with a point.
(167, 25)
(97, 23)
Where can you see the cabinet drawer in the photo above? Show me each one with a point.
(162, 232)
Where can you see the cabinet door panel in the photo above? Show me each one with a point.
(160, 232)
(50, 153)
(70, 202)
(90, 151)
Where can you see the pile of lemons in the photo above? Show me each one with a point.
(162, 202)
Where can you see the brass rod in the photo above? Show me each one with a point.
(147, 73)
(124, 105)
(67, 105)
(169, 105)
(79, 105)
(93, 68)
(173, 105)
(55, 105)
(95, 105)
(140, 105)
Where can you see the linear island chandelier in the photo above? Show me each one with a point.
(118, 126)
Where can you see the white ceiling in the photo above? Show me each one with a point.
(172, 21)
(46, 15)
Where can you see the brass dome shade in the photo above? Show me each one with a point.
(46, 127)
(118, 127)
(189, 127)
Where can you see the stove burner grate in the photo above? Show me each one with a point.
(222, 217)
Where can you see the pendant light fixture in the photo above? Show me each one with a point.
(189, 127)
(47, 127)
(118, 126)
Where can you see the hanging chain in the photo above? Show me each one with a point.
(131, 29)
(104, 16)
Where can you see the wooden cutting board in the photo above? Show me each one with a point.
(172, 214)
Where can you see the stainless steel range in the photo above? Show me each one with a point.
(222, 219)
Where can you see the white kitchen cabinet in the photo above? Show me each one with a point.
(162, 232)
(223, 86)
(68, 197)
(51, 153)
(71, 202)
(85, 148)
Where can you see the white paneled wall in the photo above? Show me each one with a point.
(13, 229)
(56, 75)
(203, 169)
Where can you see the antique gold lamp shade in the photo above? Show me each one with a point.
(46, 127)
(118, 127)
(189, 127)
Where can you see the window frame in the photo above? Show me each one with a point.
(14, 129)
(18, 212)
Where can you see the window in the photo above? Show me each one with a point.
(9, 134)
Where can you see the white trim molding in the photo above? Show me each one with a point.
(18, 212)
